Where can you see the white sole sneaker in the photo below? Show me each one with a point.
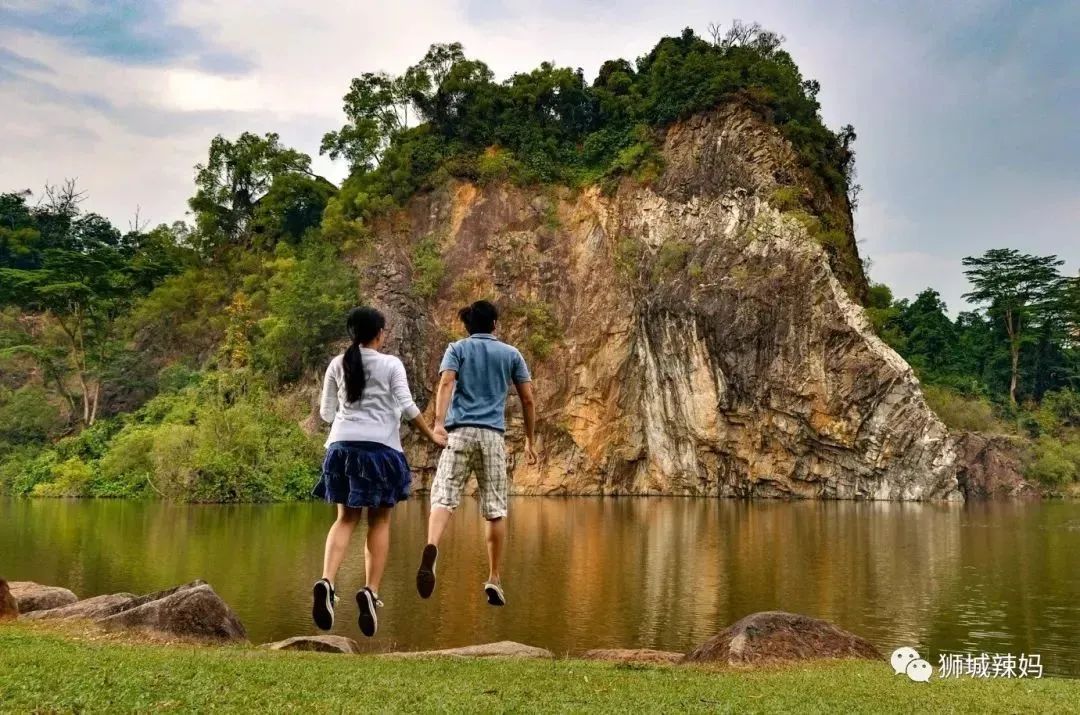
(369, 619)
(322, 604)
(495, 595)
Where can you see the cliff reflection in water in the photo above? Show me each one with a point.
(590, 572)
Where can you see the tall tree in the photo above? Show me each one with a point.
(233, 180)
(1020, 290)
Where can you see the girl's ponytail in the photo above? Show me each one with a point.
(364, 325)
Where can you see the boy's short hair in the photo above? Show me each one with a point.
(479, 317)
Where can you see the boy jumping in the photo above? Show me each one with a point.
(470, 405)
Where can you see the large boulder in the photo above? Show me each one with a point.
(633, 655)
(32, 596)
(90, 608)
(779, 637)
(502, 649)
(991, 466)
(9, 607)
(190, 611)
(318, 644)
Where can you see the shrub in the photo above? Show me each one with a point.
(786, 198)
(497, 164)
(542, 331)
(27, 416)
(428, 268)
(24, 468)
(308, 298)
(1053, 462)
(958, 412)
(672, 257)
(70, 478)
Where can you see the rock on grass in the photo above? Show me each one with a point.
(190, 611)
(779, 637)
(502, 649)
(9, 607)
(319, 644)
(32, 596)
(96, 607)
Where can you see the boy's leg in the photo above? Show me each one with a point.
(437, 522)
(496, 538)
(494, 488)
(446, 491)
(448, 484)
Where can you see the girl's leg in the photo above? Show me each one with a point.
(377, 547)
(337, 540)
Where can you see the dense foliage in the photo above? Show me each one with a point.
(1012, 366)
(550, 124)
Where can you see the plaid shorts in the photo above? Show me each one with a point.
(470, 449)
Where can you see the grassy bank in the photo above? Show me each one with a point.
(45, 670)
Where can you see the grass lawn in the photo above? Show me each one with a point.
(44, 669)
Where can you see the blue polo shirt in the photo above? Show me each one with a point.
(485, 367)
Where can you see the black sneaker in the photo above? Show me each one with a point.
(425, 576)
(322, 606)
(494, 593)
(369, 602)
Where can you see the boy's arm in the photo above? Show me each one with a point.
(442, 399)
(528, 407)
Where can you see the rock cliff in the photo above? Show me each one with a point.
(691, 335)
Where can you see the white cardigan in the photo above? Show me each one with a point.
(376, 416)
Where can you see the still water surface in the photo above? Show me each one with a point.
(586, 573)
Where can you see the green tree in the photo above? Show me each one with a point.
(1021, 291)
(377, 108)
(232, 182)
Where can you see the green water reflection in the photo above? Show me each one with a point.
(588, 573)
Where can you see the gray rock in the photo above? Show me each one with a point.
(96, 607)
(318, 644)
(633, 655)
(502, 649)
(779, 637)
(32, 596)
(189, 611)
(992, 466)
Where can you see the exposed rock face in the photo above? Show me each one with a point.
(633, 655)
(32, 596)
(189, 611)
(96, 607)
(9, 608)
(991, 466)
(778, 637)
(502, 649)
(685, 337)
(318, 644)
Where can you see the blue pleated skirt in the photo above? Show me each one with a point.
(363, 474)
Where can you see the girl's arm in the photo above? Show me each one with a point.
(328, 404)
(399, 385)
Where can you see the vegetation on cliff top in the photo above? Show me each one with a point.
(166, 360)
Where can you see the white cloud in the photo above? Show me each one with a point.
(941, 148)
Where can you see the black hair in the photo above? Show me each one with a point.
(364, 325)
(479, 317)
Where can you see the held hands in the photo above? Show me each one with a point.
(439, 435)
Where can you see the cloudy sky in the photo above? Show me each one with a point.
(967, 112)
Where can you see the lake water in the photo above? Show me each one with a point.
(584, 573)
